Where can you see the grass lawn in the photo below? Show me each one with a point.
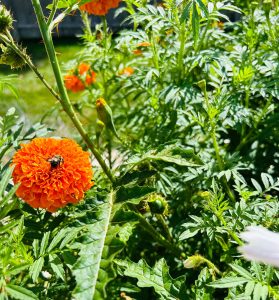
(34, 99)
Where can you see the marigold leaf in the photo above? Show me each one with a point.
(36, 268)
(127, 193)
(19, 292)
(228, 282)
(157, 277)
(89, 263)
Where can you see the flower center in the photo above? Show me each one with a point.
(55, 161)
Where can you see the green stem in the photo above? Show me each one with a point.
(65, 101)
(159, 238)
(86, 22)
(215, 143)
(8, 40)
(52, 13)
(203, 36)
(105, 31)
(181, 51)
(251, 132)
(230, 232)
(61, 16)
(162, 221)
(155, 54)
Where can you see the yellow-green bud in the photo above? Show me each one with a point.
(11, 58)
(267, 5)
(193, 261)
(100, 126)
(6, 20)
(158, 204)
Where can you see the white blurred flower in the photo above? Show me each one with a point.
(46, 274)
(261, 245)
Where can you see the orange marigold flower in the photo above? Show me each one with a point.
(137, 52)
(80, 78)
(143, 44)
(90, 78)
(52, 173)
(99, 7)
(128, 71)
(73, 83)
(83, 68)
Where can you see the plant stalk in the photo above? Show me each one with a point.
(65, 101)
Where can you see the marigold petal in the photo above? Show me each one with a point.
(43, 185)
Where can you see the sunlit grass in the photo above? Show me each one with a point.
(34, 100)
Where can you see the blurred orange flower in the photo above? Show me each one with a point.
(90, 78)
(143, 44)
(83, 68)
(52, 173)
(99, 7)
(73, 83)
(78, 80)
(128, 71)
(137, 52)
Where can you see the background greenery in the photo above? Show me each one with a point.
(197, 162)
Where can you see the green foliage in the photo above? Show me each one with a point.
(196, 164)
(157, 277)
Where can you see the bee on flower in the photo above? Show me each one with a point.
(99, 7)
(79, 79)
(51, 173)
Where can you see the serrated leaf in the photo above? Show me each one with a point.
(241, 271)
(57, 238)
(69, 237)
(36, 268)
(186, 12)
(157, 277)
(59, 271)
(257, 291)
(228, 282)
(202, 7)
(128, 193)
(19, 292)
(256, 185)
(89, 262)
(44, 243)
(5, 180)
(195, 23)
(188, 234)
(249, 288)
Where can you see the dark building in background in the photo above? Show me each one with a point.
(25, 25)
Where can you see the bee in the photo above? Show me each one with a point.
(55, 161)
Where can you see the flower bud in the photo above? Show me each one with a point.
(100, 126)
(6, 20)
(193, 261)
(11, 58)
(158, 204)
(267, 6)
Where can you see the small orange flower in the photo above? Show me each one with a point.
(52, 173)
(143, 44)
(128, 71)
(78, 80)
(73, 83)
(137, 52)
(83, 68)
(90, 78)
(99, 7)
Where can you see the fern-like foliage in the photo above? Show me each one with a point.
(157, 277)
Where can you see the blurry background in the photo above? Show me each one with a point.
(33, 99)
